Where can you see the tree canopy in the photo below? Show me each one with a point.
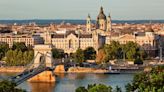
(19, 46)
(18, 55)
(89, 53)
(95, 88)
(152, 81)
(7, 86)
(115, 50)
(18, 58)
(56, 53)
(79, 55)
(3, 49)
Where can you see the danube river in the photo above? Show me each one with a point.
(69, 82)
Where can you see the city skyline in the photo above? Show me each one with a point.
(76, 9)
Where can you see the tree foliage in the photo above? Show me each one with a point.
(101, 56)
(138, 61)
(56, 53)
(19, 46)
(89, 53)
(18, 58)
(152, 81)
(95, 88)
(18, 55)
(129, 51)
(79, 55)
(3, 49)
(7, 86)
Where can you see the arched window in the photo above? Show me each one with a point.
(70, 44)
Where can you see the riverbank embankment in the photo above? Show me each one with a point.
(85, 70)
(13, 69)
(60, 69)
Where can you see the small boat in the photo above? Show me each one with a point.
(112, 72)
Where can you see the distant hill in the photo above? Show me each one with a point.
(58, 21)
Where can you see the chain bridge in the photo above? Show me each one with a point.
(40, 68)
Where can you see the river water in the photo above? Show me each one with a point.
(69, 82)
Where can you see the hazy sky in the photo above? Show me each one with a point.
(79, 9)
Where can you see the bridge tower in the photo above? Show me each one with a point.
(43, 51)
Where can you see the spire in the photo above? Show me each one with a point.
(101, 10)
(101, 14)
(109, 15)
(88, 15)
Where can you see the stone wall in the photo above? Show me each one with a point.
(46, 77)
(12, 69)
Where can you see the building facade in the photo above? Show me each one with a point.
(29, 40)
(70, 41)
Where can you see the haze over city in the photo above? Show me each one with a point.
(79, 9)
(82, 46)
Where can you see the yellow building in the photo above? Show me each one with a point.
(147, 40)
(29, 40)
(70, 41)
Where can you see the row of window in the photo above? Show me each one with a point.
(81, 40)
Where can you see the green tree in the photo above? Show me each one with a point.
(95, 88)
(79, 55)
(90, 53)
(19, 46)
(25, 58)
(30, 56)
(81, 89)
(117, 89)
(7, 86)
(100, 88)
(113, 50)
(56, 53)
(3, 49)
(152, 81)
(138, 61)
(19, 58)
(131, 49)
(9, 57)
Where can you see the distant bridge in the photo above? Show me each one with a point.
(41, 62)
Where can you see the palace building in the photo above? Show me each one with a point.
(70, 41)
(98, 35)
(29, 40)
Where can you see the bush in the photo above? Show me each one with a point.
(7, 86)
(138, 61)
(152, 81)
(81, 89)
(95, 88)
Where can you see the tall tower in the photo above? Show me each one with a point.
(88, 24)
(47, 37)
(101, 20)
(109, 23)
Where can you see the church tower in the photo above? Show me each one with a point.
(88, 24)
(47, 37)
(101, 20)
(109, 23)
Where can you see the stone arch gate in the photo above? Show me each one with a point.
(41, 51)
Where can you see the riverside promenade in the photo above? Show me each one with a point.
(12, 69)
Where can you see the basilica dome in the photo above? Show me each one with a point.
(101, 14)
